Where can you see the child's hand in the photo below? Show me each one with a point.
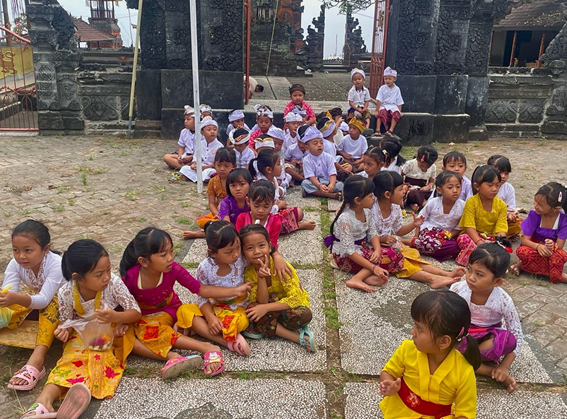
(323, 188)
(389, 387)
(282, 269)
(388, 240)
(8, 298)
(511, 215)
(550, 244)
(347, 155)
(543, 250)
(120, 329)
(375, 256)
(256, 313)
(426, 188)
(264, 269)
(61, 334)
(105, 316)
(242, 289)
(500, 373)
(215, 326)
(418, 220)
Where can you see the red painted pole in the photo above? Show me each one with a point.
(513, 49)
(247, 5)
(541, 45)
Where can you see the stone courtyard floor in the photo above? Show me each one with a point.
(109, 188)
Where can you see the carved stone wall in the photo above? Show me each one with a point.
(310, 56)
(354, 46)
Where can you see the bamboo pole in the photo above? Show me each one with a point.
(134, 68)
(196, 104)
(513, 49)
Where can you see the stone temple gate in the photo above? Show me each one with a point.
(440, 48)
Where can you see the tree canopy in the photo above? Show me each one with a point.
(348, 5)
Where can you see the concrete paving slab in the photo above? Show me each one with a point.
(215, 398)
(382, 320)
(362, 402)
(288, 245)
(276, 354)
(280, 86)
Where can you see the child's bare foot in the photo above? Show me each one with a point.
(306, 225)
(353, 283)
(375, 280)
(510, 383)
(192, 234)
(458, 272)
(442, 282)
(516, 268)
(564, 278)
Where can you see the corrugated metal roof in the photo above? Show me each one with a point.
(539, 15)
(87, 33)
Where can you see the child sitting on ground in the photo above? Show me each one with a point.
(236, 121)
(238, 139)
(205, 111)
(437, 235)
(294, 157)
(186, 142)
(387, 213)
(292, 122)
(224, 267)
(277, 308)
(373, 161)
(328, 128)
(35, 267)
(278, 137)
(149, 271)
(484, 215)
(420, 174)
(456, 161)
(507, 194)
(359, 97)
(427, 377)
(235, 203)
(337, 116)
(388, 103)
(297, 95)
(354, 242)
(225, 161)
(353, 146)
(210, 145)
(489, 305)
(264, 120)
(319, 168)
(94, 366)
(394, 160)
(544, 233)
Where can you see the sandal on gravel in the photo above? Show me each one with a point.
(179, 365)
(213, 357)
(75, 403)
(30, 374)
(240, 346)
(37, 410)
(252, 333)
(304, 342)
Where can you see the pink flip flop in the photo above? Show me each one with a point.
(240, 346)
(29, 373)
(213, 357)
(37, 411)
(176, 366)
(76, 402)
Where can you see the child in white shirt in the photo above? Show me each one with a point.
(420, 174)
(388, 103)
(184, 154)
(358, 97)
(236, 120)
(507, 194)
(210, 145)
(353, 146)
(238, 138)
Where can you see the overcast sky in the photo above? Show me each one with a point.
(334, 23)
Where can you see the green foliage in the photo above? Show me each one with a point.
(345, 5)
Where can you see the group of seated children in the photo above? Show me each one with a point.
(244, 288)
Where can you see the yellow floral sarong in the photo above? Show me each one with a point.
(412, 261)
(100, 371)
(234, 321)
(48, 321)
(155, 331)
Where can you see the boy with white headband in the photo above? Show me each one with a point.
(294, 157)
(184, 154)
(358, 97)
(236, 121)
(238, 138)
(292, 121)
(319, 168)
(278, 136)
(209, 145)
(388, 103)
(328, 129)
(205, 110)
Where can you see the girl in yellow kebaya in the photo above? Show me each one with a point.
(93, 366)
(426, 376)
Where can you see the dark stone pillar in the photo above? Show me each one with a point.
(55, 61)
(166, 60)
(555, 58)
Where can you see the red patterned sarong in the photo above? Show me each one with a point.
(533, 263)
(387, 116)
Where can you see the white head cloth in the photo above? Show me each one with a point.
(343, 126)
(357, 71)
(276, 133)
(389, 72)
(264, 142)
(236, 141)
(262, 110)
(293, 117)
(235, 115)
(329, 130)
(208, 121)
(310, 134)
(189, 110)
(205, 108)
(299, 110)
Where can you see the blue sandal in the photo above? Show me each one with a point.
(303, 342)
(251, 332)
